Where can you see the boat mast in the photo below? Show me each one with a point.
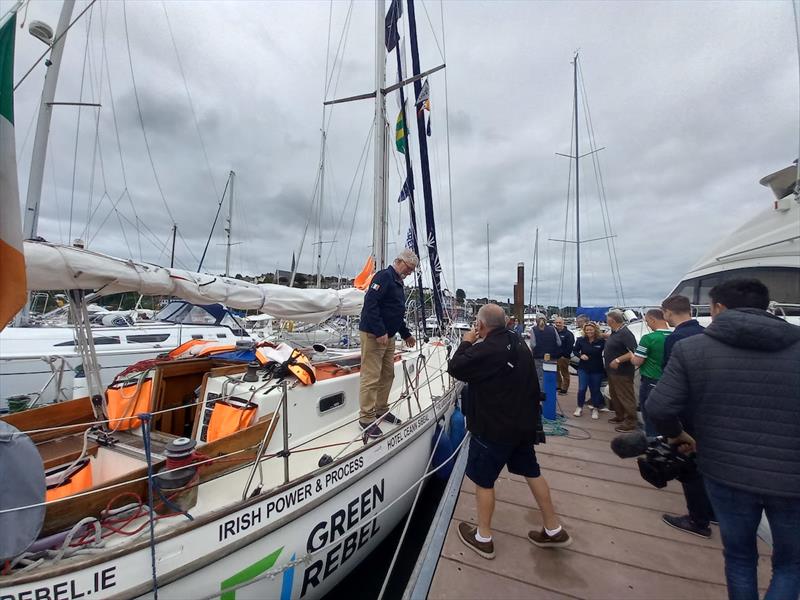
(229, 227)
(427, 192)
(534, 295)
(319, 204)
(172, 254)
(36, 176)
(577, 179)
(488, 268)
(380, 166)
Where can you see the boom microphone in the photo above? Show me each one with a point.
(629, 445)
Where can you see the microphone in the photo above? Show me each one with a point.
(629, 445)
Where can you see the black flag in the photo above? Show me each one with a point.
(392, 33)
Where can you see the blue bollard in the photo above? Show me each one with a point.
(549, 378)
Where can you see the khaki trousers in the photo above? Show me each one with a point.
(377, 375)
(563, 373)
(623, 399)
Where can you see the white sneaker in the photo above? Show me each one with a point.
(578, 412)
(605, 409)
(595, 414)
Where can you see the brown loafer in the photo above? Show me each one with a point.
(466, 534)
(541, 539)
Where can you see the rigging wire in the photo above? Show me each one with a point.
(447, 130)
(796, 11)
(560, 295)
(116, 133)
(610, 240)
(78, 126)
(139, 112)
(191, 103)
(54, 42)
(358, 196)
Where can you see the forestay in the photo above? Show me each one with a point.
(53, 266)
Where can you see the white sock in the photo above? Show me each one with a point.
(482, 539)
(552, 532)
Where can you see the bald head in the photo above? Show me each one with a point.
(492, 316)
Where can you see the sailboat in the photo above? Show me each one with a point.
(196, 479)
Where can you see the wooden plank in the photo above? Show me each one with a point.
(61, 514)
(457, 580)
(581, 575)
(53, 415)
(667, 556)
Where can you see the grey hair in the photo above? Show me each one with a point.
(492, 316)
(616, 315)
(407, 256)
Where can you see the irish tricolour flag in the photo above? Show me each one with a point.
(12, 261)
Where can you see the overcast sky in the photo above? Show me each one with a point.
(693, 103)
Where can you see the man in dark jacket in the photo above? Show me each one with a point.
(678, 313)
(739, 384)
(503, 418)
(382, 316)
(564, 355)
(544, 343)
(619, 368)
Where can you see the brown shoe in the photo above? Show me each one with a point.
(541, 539)
(615, 420)
(625, 428)
(466, 533)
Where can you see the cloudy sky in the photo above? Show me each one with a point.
(693, 103)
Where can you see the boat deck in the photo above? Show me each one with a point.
(621, 548)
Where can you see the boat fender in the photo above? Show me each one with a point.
(441, 452)
(457, 427)
(22, 474)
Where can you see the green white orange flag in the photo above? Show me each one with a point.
(12, 261)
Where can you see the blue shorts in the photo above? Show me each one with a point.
(486, 459)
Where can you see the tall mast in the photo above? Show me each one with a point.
(577, 180)
(488, 268)
(533, 298)
(430, 223)
(172, 254)
(319, 206)
(380, 200)
(31, 217)
(229, 227)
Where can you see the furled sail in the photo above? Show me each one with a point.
(53, 267)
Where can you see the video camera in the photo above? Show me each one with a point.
(659, 462)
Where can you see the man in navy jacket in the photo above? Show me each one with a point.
(738, 383)
(382, 316)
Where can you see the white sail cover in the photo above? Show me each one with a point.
(57, 267)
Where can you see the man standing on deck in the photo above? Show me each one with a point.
(544, 343)
(678, 313)
(382, 316)
(567, 343)
(503, 418)
(617, 355)
(739, 385)
(648, 356)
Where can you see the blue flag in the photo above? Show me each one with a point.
(405, 192)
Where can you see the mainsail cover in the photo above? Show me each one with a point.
(54, 267)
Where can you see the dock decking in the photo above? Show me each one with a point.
(621, 549)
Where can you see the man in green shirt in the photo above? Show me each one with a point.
(649, 356)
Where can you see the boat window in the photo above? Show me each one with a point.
(783, 284)
(235, 325)
(147, 338)
(331, 402)
(199, 316)
(222, 335)
(197, 336)
(98, 341)
(173, 312)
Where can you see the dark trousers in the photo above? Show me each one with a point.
(739, 513)
(645, 387)
(697, 502)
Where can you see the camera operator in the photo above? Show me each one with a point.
(739, 384)
(503, 416)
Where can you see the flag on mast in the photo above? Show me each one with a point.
(400, 133)
(13, 287)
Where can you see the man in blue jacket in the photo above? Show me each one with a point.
(739, 384)
(382, 316)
